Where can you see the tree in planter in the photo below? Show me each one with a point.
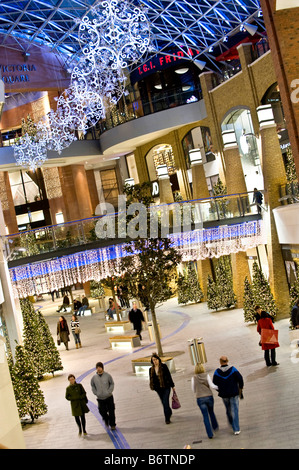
(29, 397)
(249, 302)
(224, 281)
(151, 263)
(38, 341)
(213, 299)
(262, 292)
(97, 291)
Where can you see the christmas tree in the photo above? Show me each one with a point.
(29, 397)
(262, 292)
(224, 281)
(294, 293)
(96, 290)
(219, 204)
(38, 340)
(213, 298)
(194, 290)
(183, 298)
(291, 175)
(29, 244)
(249, 302)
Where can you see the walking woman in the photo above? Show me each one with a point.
(161, 382)
(202, 384)
(76, 394)
(266, 323)
(63, 332)
(75, 328)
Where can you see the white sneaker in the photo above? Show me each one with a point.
(237, 432)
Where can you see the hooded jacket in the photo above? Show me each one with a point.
(228, 380)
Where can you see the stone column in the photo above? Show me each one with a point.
(274, 176)
(200, 191)
(166, 195)
(235, 183)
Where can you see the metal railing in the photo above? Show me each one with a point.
(201, 212)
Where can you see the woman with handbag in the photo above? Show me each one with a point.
(201, 384)
(265, 323)
(76, 330)
(63, 332)
(76, 394)
(161, 382)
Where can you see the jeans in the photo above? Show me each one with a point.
(82, 310)
(106, 409)
(206, 405)
(164, 397)
(232, 411)
(76, 337)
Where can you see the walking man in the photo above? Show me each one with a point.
(102, 385)
(136, 317)
(230, 384)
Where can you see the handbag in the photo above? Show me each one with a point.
(58, 340)
(175, 401)
(269, 337)
(77, 330)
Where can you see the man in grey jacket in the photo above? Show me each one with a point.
(102, 385)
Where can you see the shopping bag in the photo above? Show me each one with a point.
(269, 337)
(175, 401)
(58, 340)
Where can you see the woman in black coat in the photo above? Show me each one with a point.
(161, 381)
(76, 394)
(63, 332)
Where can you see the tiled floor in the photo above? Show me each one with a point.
(268, 414)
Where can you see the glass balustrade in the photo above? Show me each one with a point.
(175, 217)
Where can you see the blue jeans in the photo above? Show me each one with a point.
(232, 411)
(206, 405)
(82, 310)
(164, 397)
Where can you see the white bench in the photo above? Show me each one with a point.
(142, 365)
(125, 342)
(117, 326)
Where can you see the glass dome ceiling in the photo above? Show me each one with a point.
(207, 27)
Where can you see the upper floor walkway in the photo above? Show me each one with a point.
(178, 218)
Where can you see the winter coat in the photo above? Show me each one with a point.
(162, 380)
(102, 385)
(266, 323)
(228, 380)
(63, 331)
(136, 317)
(77, 396)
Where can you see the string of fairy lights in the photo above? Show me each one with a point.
(98, 264)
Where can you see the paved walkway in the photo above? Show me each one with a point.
(268, 414)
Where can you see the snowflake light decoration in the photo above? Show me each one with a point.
(30, 152)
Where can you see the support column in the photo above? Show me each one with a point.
(166, 195)
(200, 191)
(274, 176)
(235, 183)
(76, 192)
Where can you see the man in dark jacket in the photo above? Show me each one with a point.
(230, 384)
(136, 317)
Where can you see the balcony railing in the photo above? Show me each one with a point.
(189, 215)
